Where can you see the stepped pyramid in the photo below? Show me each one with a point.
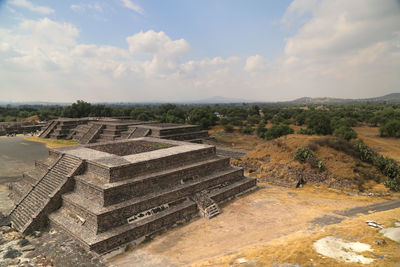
(92, 130)
(124, 190)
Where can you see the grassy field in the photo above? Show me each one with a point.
(52, 143)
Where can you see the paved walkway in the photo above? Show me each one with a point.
(338, 216)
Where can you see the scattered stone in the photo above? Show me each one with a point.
(12, 254)
(23, 242)
(241, 260)
(8, 262)
(377, 256)
(6, 229)
(27, 248)
(374, 224)
(380, 242)
(13, 236)
(36, 234)
(31, 254)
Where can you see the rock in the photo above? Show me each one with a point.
(374, 224)
(23, 242)
(380, 242)
(36, 234)
(13, 236)
(12, 254)
(27, 248)
(8, 262)
(31, 254)
(5, 229)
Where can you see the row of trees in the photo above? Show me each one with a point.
(322, 120)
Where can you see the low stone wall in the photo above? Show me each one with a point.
(129, 148)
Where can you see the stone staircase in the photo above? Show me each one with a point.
(90, 135)
(48, 129)
(140, 132)
(207, 206)
(45, 195)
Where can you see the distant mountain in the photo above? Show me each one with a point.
(390, 98)
(33, 103)
(220, 100)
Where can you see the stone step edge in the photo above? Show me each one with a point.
(58, 218)
(77, 200)
(104, 186)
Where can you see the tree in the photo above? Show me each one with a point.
(320, 123)
(278, 131)
(345, 132)
(390, 129)
(203, 116)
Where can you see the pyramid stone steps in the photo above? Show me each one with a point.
(120, 212)
(109, 240)
(113, 193)
(37, 199)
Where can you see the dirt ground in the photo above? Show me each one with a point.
(255, 219)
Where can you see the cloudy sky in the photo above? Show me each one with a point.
(178, 50)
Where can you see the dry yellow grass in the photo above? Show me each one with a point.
(298, 248)
(52, 143)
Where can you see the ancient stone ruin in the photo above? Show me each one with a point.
(107, 194)
(95, 130)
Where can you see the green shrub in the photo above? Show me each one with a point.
(228, 128)
(305, 131)
(304, 155)
(278, 131)
(261, 130)
(390, 129)
(345, 132)
(248, 129)
(365, 153)
(320, 123)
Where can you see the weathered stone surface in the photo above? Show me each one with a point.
(129, 189)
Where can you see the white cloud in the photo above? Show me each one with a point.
(135, 7)
(32, 7)
(342, 49)
(156, 43)
(255, 63)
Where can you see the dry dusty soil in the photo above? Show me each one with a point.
(254, 219)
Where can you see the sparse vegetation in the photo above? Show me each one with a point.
(278, 131)
(390, 129)
(304, 155)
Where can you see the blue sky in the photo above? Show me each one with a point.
(131, 50)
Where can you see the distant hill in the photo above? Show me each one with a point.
(221, 100)
(390, 98)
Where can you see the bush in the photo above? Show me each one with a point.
(224, 121)
(320, 123)
(248, 129)
(365, 153)
(390, 129)
(228, 128)
(304, 155)
(345, 132)
(278, 131)
(261, 130)
(202, 116)
(305, 131)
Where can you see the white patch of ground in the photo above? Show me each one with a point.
(392, 233)
(339, 249)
